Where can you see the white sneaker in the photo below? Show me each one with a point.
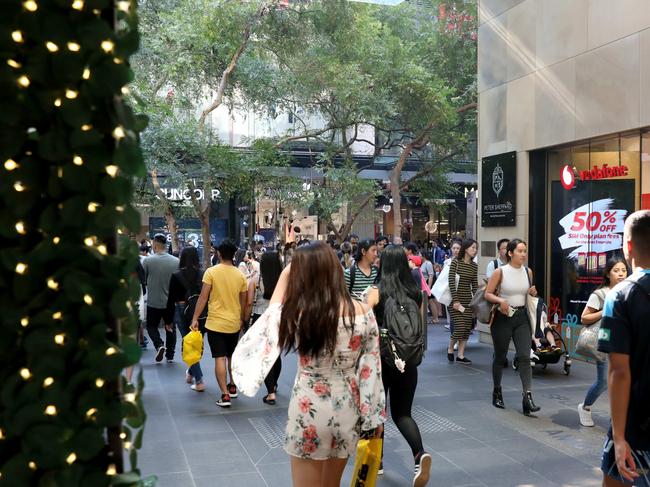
(421, 477)
(456, 346)
(585, 415)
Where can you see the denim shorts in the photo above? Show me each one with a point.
(641, 461)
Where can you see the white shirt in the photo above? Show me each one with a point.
(490, 267)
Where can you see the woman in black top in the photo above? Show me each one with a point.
(184, 283)
(395, 281)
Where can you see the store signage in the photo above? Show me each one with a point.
(568, 179)
(179, 194)
(593, 229)
(499, 195)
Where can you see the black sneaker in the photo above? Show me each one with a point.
(232, 390)
(464, 360)
(421, 474)
(224, 402)
(160, 353)
(170, 360)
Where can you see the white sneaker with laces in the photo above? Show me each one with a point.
(421, 477)
(585, 415)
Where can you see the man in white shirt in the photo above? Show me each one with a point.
(501, 259)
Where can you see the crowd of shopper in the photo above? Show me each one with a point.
(356, 316)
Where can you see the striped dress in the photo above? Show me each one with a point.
(467, 286)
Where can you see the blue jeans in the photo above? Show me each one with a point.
(184, 328)
(598, 387)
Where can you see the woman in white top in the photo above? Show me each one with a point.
(615, 272)
(509, 287)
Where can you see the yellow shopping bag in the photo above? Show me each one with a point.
(192, 347)
(366, 463)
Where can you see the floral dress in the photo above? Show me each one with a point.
(334, 397)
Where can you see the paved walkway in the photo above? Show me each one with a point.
(190, 442)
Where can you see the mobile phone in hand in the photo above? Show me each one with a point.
(511, 311)
(461, 308)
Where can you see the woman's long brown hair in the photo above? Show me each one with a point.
(315, 296)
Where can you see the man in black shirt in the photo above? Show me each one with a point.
(625, 335)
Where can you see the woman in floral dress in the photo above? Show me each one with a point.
(338, 391)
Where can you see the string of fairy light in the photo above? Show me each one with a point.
(12, 167)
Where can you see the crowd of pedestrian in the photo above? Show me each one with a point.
(356, 315)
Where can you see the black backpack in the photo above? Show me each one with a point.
(192, 293)
(402, 337)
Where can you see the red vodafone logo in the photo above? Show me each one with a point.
(567, 178)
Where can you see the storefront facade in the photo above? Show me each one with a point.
(564, 114)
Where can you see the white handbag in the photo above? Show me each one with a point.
(441, 289)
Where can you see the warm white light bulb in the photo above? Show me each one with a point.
(58, 102)
(112, 170)
(86, 127)
(48, 381)
(92, 207)
(71, 458)
(25, 373)
(50, 410)
(119, 132)
(24, 322)
(111, 470)
(51, 46)
(21, 268)
(59, 339)
(17, 36)
(102, 249)
(125, 90)
(86, 74)
(73, 46)
(32, 465)
(90, 412)
(107, 45)
(111, 351)
(71, 94)
(19, 187)
(78, 4)
(10, 165)
(77, 161)
(99, 383)
(56, 240)
(57, 316)
(52, 284)
(23, 81)
(88, 299)
(123, 5)
(13, 63)
(30, 5)
(89, 241)
(20, 228)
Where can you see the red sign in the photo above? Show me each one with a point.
(605, 172)
(568, 176)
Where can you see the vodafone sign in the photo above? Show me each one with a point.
(567, 178)
(568, 174)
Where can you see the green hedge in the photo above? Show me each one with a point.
(68, 154)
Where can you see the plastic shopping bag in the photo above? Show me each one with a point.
(192, 347)
(366, 463)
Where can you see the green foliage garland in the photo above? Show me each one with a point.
(68, 154)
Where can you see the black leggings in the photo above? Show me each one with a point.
(400, 389)
(516, 328)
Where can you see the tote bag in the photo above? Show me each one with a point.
(587, 344)
(441, 287)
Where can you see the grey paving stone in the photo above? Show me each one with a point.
(248, 479)
(181, 479)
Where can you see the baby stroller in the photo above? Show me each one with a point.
(547, 346)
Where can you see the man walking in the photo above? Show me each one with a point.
(224, 291)
(158, 269)
(625, 335)
(501, 260)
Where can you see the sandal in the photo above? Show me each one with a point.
(266, 400)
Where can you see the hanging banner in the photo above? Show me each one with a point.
(499, 190)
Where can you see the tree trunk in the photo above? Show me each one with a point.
(205, 233)
(170, 218)
(396, 191)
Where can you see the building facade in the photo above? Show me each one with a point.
(564, 136)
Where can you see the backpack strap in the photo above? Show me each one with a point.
(353, 274)
(186, 284)
(496, 264)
